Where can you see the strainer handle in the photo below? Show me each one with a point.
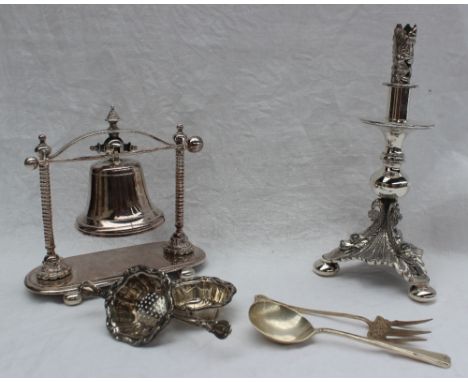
(220, 329)
(88, 288)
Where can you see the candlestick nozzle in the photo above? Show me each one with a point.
(404, 39)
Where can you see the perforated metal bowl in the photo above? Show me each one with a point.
(139, 305)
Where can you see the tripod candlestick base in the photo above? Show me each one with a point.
(382, 244)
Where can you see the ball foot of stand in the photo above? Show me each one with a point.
(325, 268)
(72, 298)
(422, 293)
(187, 273)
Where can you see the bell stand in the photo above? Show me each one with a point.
(382, 242)
(63, 276)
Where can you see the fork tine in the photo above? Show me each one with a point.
(408, 323)
(406, 332)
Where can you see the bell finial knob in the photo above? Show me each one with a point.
(112, 118)
(180, 136)
(43, 148)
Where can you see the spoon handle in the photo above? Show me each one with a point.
(437, 359)
(261, 297)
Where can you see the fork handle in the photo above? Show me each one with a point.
(314, 312)
(433, 358)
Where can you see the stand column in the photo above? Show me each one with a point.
(53, 266)
(179, 244)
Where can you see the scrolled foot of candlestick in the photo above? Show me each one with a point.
(422, 293)
(326, 268)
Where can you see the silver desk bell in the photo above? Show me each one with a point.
(118, 206)
(118, 201)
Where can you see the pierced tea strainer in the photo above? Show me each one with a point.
(144, 300)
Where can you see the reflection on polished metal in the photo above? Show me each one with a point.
(106, 267)
(200, 293)
(119, 205)
(382, 243)
(283, 325)
(142, 303)
(395, 331)
(118, 201)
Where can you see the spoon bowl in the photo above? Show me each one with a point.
(279, 323)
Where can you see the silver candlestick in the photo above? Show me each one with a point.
(382, 243)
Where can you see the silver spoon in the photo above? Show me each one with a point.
(286, 326)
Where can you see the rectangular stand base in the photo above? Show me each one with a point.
(105, 267)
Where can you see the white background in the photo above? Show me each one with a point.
(276, 93)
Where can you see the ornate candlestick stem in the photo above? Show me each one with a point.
(179, 244)
(53, 266)
(382, 243)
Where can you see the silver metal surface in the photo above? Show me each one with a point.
(395, 331)
(106, 267)
(382, 243)
(118, 206)
(139, 305)
(201, 297)
(118, 201)
(198, 301)
(283, 325)
(142, 302)
(404, 39)
(179, 244)
(201, 293)
(53, 266)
